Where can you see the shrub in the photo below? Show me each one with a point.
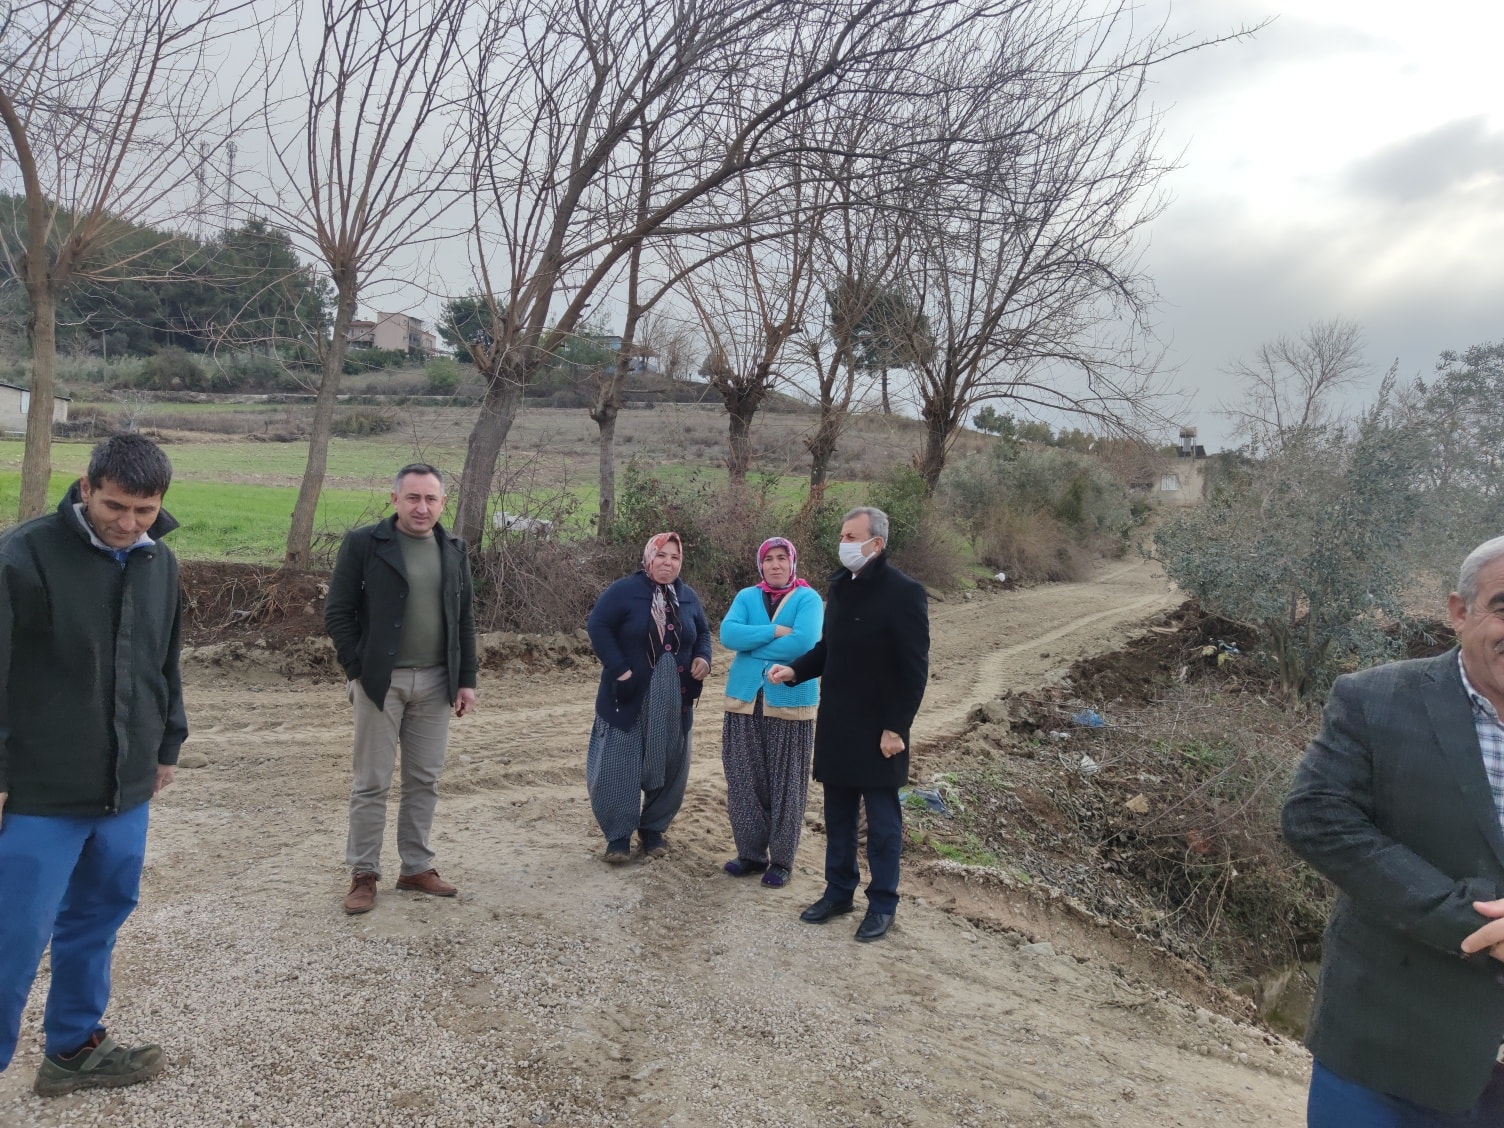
(1029, 547)
(170, 370)
(248, 371)
(1309, 546)
(368, 360)
(721, 528)
(902, 494)
(1038, 513)
(443, 373)
(933, 553)
(363, 421)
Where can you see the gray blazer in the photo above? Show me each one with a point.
(1392, 804)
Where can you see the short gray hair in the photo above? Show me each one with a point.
(877, 520)
(416, 468)
(1482, 556)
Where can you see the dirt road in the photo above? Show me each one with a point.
(556, 990)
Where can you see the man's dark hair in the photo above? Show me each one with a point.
(134, 463)
(415, 468)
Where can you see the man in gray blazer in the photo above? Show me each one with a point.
(1399, 801)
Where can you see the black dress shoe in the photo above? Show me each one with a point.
(874, 926)
(823, 909)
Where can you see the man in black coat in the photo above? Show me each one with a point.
(1399, 801)
(400, 611)
(91, 721)
(873, 662)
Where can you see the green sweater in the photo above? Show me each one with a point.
(90, 696)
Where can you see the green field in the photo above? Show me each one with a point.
(247, 524)
(234, 497)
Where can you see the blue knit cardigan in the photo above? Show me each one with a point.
(749, 632)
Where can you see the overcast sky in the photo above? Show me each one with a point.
(1348, 161)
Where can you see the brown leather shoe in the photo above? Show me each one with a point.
(428, 882)
(362, 895)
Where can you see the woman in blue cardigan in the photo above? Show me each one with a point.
(653, 640)
(769, 731)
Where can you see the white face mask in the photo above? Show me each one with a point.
(851, 554)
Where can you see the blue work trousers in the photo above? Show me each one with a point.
(1336, 1102)
(884, 844)
(71, 882)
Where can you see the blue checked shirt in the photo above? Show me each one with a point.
(1490, 739)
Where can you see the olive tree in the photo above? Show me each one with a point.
(1308, 544)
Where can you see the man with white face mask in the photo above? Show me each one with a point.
(873, 662)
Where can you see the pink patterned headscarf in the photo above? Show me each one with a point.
(794, 580)
(665, 599)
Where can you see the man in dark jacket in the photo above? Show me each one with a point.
(874, 662)
(1399, 801)
(91, 721)
(400, 612)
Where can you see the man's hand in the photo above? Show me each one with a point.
(464, 702)
(1491, 935)
(780, 675)
(891, 743)
(699, 669)
(165, 772)
(782, 630)
(3, 794)
(625, 676)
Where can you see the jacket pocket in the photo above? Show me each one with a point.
(624, 691)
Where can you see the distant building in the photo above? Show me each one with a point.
(15, 402)
(641, 358)
(1185, 484)
(396, 331)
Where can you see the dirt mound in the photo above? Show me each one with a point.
(251, 603)
(1185, 644)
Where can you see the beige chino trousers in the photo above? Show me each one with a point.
(416, 720)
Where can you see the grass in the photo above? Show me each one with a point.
(234, 497)
(222, 521)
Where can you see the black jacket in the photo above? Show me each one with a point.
(363, 611)
(1392, 804)
(90, 696)
(618, 628)
(874, 662)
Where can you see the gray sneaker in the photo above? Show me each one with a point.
(106, 1065)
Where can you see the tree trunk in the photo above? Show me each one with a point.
(605, 519)
(822, 445)
(497, 412)
(300, 534)
(937, 433)
(887, 408)
(36, 461)
(740, 410)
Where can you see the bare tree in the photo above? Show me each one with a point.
(859, 247)
(751, 297)
(557, 92)
(1289, 385)
(103, 105)
(371, 82)
(1025, 259)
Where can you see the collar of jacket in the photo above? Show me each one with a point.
(386, 529)
(874, 565)
(163, 525)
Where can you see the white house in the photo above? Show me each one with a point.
(15, 402)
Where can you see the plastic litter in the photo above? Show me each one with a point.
(1088, 766)
(1057, 735)
(931, 798)
(1090, 718)
(1001, 577)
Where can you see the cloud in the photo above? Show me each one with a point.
(1430, 164)
(1282, 42)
